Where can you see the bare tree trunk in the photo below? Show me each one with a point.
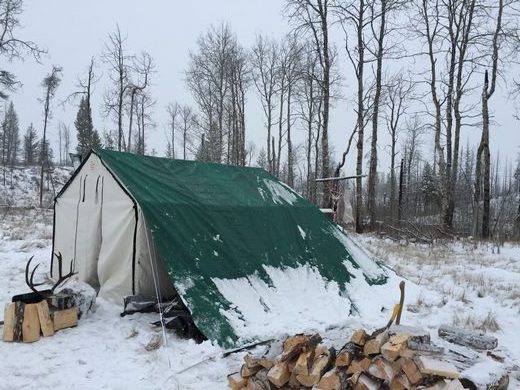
(290, 168)
(401, 185)
(280, 128)
(372, 174)
(483, 149)
(323, 10)
(131, 118)
(44, 141)
(360, 118)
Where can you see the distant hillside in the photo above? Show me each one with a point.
(20, 186)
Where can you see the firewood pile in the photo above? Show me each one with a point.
(394, 358)
(26, 322)
(42, 312)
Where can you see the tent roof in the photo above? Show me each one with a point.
(219, 221)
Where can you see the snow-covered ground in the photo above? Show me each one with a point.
(450, 283)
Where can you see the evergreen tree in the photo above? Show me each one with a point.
(204, 151)
(86, 135)
(49, 154)
(10, 137)
(30, 146)
(261, 160)
(429, 187)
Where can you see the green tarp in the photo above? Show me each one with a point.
(220, 221)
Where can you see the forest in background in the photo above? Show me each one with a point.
(421, 72)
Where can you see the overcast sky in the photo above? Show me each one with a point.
(73, 31)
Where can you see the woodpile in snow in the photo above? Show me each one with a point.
(394, 358)
(27, 321)
(43, 312)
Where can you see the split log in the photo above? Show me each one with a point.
(254, 362)
(19, 311)
(429, 366)
(293, 381)
(416, 334)
(65, 318)
(359, 337)
(259, 381)
(293, 341)
(9, 322)
(279, 374)
(383, 369)
(373, 346)
(60, 301)
(364, 382)
(304, 363)
(391, 351)
(46, 323)
(246, 371)
(30, 324)
(236, 381)
(411, 371)
(322, 362)
(349, 352)
(445, 385)
(333, 380)
(358, 366)
(476, 340)
(422, 347)
(400, 382)
(296, 349)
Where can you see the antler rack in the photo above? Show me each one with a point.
(29, 277)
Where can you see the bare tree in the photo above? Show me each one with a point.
(309, 107)
(143, 108)
(11, 46)
(188, 123)
(293, 76)
(264, 67)
(114, 100)
(483, 166)
(356, 15)
(313, 16)
(174, 111)
(381, 25)
(50, 83)
(398, 92)
(142, 68)
(218, 78)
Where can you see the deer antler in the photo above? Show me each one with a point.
(62, 278)
(30, 279)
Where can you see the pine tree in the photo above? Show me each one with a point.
(86, 135)
(204, 151)
(10, 137)
(30, 146)
(261, 160)
(429, 187)
(49, 154)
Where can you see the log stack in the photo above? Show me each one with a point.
(383, 360)
(27, 322)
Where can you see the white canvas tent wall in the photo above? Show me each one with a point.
(100, 227)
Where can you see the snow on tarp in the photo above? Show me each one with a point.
(226, 232)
